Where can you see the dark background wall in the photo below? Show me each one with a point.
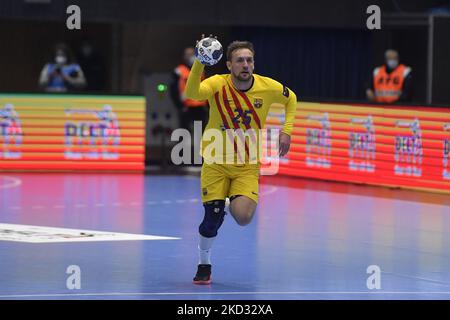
(324, 62)
(27, 45)
(321, 48)
(441, 58)
(317, 13)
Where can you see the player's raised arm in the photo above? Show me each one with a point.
(195, 88)
(208, 51)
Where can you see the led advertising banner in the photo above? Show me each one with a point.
(71, 132)
(390, 146)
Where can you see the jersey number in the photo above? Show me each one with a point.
(242, 117)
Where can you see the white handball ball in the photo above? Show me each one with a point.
(208, 51)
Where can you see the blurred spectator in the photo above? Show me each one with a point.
(390, 82)
(190, 110)
(92, 65)
(62, 74)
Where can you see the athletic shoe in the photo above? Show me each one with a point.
(203, 275)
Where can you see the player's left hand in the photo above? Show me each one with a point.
(285, 143)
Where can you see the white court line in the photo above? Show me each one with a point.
(15, 183)
(215, 293)
(120, 204)
(43, 234)
(267, 192)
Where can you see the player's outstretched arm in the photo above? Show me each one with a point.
(195, 88)
(285, 135)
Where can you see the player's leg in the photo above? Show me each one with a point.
(242, 208)
(244, 193)
(214, 185)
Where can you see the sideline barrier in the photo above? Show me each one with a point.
(387, 146)
(72, 132)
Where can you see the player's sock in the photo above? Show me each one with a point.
(204, 249)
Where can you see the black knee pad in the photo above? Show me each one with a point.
(214, 215)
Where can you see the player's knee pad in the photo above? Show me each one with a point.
(214, 215)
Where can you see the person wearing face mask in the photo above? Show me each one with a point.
(190, 110)
(391, 82)
(62, 74)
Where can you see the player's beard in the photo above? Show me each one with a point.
(242, 78)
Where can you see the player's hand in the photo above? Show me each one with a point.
(284, 143)
(203, 37)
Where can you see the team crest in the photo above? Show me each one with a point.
(258, 102)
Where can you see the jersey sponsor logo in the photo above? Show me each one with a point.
(204, 191)
(258, 103)
(285, 92)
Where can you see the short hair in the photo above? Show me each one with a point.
(65, 49)
(391, 50)
(235, 45)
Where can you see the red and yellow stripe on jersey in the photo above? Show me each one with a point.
(232, 109)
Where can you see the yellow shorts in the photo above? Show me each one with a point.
(219, 181)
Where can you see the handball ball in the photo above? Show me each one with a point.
(208, 51)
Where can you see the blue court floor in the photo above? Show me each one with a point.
(309, 240)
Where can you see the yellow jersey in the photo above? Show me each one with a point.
(232, 109)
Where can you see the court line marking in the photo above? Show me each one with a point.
(271, 190)
(44, 234)
(15, 183)
(265, 193)
(212, 293)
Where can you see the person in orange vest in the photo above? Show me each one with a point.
(391, 82)
(190, 110)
